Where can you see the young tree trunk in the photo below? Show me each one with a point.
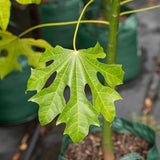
(111, 59)
(107, 141)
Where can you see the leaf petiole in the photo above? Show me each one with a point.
(139, 10)
(79, 20)
(126, 1)
(61, 24)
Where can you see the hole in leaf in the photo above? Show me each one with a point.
(88, 93)
(50, 80)
(22, 57)
(3, 53)
(66, 94)
(23, 61)
(100, 78)
(102, 60)
(0, 38)
(38, 49)
(33, 48)
(49, 62)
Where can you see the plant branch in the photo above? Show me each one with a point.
(61, 24)
(139, 10)
(76, 30)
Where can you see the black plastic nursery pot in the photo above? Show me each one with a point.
(14, 105)
(128, 53)
(124, 126)
(59, 11)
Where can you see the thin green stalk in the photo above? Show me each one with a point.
(126, 1)
(79, 20)
(139, 10)
(61, 24)
(107, 9)
(111, 59)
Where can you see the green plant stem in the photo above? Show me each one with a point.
(111, 59)
(61, 24)
(107, 141)
(107, 9)
(113, 33)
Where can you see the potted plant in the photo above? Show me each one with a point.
(78, 64)
(75, 69)
(128, 124)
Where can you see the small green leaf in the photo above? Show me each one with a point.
(75, 69)
(29, 1)
(4, 13)
(11, 47)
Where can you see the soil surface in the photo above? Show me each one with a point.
(91, 147)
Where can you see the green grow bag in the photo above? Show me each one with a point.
(95, 1)
(59, 11)
(128, 53)
(124, 126)
(14, 105)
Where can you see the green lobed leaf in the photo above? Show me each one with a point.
(4, 13)
(11, 47)
(29, 1)
(75, 69)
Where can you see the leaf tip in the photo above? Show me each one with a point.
(99, 46)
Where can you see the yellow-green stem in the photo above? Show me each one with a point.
(126, 1)
(61, 24)
(76, 30)
(139, 10)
